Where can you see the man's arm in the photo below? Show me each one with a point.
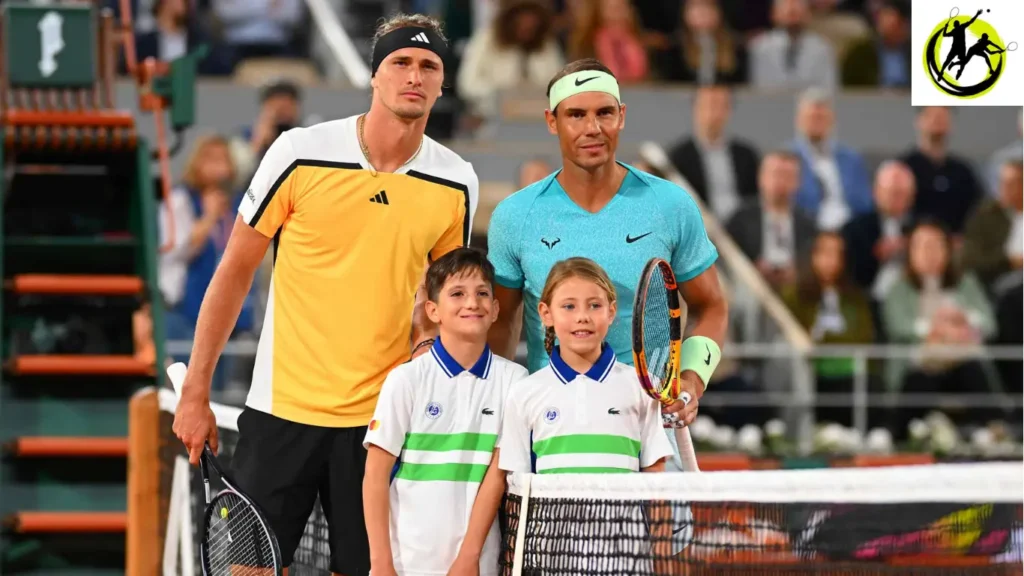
(504, 334)
(422, 327)
(376, 507)
(261, 213)
(223, 302)
(481, 517)
(708, 308)
(503, 252)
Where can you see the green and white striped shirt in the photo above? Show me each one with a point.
(598, 422)
(442, 422)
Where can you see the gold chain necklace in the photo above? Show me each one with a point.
(366, 150)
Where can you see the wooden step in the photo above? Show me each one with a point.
(68, 447)
(79, 365)
(66, 522)
(119, 240)
(106, 285)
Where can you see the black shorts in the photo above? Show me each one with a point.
(283, 466)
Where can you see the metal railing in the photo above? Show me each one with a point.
(799, 396)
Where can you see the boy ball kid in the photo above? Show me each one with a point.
(432, 486)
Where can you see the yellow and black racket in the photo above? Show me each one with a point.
(657, 347)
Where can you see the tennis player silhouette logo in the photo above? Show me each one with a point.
(984, 61)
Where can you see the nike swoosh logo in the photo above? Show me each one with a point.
(580, 82)
(630, 239)
(707, 361)
(680, 529)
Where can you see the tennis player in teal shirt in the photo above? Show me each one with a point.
(612, 213)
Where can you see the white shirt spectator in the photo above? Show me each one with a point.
(777, 60)
(488, 69)
(173, 264)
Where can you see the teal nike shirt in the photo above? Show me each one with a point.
(539, 225)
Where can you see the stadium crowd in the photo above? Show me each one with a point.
(927, 249)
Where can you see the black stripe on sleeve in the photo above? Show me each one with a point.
(288, 171)
(450, 184)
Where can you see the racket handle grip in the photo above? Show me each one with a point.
(686, 452)
(672, 420)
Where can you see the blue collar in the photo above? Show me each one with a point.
(599, 371)
(452, 368)
(641, 175)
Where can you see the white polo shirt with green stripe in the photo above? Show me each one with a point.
(442, 423)
(598, 422)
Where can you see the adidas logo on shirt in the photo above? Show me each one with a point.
(421, 37)
(381, 198)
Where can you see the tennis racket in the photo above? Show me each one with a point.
(236, 537)
(657, 346)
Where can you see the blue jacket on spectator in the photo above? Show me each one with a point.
(852, 172)
(200, 273)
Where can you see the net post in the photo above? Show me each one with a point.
(143, 533)
(524, 513)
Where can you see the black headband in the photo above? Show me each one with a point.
(407, 37)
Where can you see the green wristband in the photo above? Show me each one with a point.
(701, 355)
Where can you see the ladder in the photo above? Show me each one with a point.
(78, 262)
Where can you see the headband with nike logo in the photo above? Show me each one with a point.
(407, 37)
(584, 81)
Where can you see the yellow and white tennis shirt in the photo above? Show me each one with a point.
(350, 249)
(442, 422)
(593, 423)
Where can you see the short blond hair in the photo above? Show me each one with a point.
(401, 20)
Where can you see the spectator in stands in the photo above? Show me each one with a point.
(705, 50)
(721, 169)
(834, 184)
(1011, 151)
(259, 28)
(884, 58)
(994, 234)
(533, 171)
(875, 241)
(834, 311)
(203, 211)
(935, 304)
(839, 27)
(773, 232)
(280, 111)
(946, 186)
(750, 18)
(176, 32)
(516, 51)
(790, 55)
(608, 30)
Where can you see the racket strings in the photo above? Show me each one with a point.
(657, 339)
(237, 542)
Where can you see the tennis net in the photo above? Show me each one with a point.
(940, 519)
